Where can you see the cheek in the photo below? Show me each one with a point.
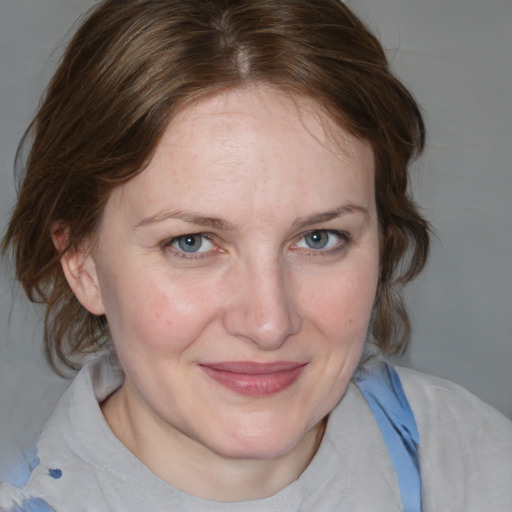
(155, 315)
(342, 305)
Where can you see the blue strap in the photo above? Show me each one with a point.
(382, 389)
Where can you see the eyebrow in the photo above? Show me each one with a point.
(187, 216)
(318, 218)
(224, 225)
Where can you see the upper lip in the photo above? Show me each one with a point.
(254, 368)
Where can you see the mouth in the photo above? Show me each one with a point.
(254, 379)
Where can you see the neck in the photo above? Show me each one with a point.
(193, 468)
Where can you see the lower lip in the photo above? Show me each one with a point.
(259, 384)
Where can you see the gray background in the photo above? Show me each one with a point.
(456, 56)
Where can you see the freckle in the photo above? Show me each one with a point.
(55, 473)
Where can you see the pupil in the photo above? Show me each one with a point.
(190, 243)
(317, 239)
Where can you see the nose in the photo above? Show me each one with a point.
(262, 308)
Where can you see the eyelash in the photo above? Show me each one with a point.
(168, 245)
(344, 240)
(341, 245)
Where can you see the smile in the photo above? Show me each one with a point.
(255, 379)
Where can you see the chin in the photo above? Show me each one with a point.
(262, 450)
(259, 443)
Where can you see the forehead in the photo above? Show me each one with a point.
(258, 144)
(261, 109)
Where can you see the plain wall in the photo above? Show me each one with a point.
(456, 56)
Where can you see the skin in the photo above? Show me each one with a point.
(269, 169)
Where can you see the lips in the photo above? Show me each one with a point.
(254, 379)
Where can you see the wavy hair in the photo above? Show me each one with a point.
(133, 64)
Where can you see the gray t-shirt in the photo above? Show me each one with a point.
(465, 459)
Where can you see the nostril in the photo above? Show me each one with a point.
(263, 310)
(267, 325)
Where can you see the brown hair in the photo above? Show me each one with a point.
(127, 71)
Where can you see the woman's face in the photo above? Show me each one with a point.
(238, 273)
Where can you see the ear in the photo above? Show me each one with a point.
(80, 271)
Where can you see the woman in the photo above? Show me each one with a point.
(217, 195)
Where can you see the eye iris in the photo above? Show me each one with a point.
(190, 243)
(317, 239)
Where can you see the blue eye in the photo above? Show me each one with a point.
(192, 243)
(317, 239)
(322, 240)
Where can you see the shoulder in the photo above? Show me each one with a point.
(437, 401)
(64, 459)
(465, 446)
(29, 497)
